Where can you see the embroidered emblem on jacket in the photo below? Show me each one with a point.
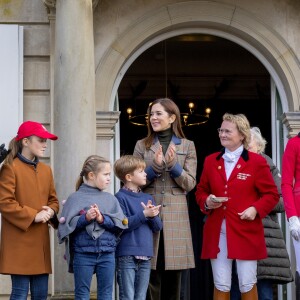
(243, 176)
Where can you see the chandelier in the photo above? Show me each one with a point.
(189, 118)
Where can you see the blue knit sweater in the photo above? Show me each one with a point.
(137, 240)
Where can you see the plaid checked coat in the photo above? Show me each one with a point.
(170, 189)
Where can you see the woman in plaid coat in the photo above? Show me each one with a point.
(171, 173)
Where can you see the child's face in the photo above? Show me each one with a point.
(139, 177)
(102, 179)
(34, 147)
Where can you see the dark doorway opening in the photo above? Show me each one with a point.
(210, 72)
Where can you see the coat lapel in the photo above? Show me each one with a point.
(240, 165)
(220, 168)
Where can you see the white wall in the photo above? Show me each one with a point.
(11, 97)
(11, 81)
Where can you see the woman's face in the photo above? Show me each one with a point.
(230, 137)
(159, 119)
(253, 145)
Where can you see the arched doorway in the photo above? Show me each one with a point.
(210, 72)
(197, 17)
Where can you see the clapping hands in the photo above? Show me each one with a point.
(170, 158)
(150, 210)
(94, 213)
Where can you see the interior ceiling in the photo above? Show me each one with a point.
(208, 70)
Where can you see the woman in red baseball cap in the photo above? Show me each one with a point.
(28, 203)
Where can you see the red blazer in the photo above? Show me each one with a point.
(250, 184)
(290, 183)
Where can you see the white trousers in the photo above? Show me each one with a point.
(297, 253)
(222, 268)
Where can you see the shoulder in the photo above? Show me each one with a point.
(72, 197)
(214, 156)
(108, 196)
(120, 194)
(183, 141)
(44, 167)
(258, 160)
(268, 159)
(140, 144)
(293, 142)
(256, 157)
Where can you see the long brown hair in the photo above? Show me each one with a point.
(172, 109)
(94, 164)
(14, 147)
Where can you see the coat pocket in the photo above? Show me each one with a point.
(178, 191)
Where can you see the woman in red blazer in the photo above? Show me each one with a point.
(236, 190)
(290, 186)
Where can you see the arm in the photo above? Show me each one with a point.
(139, 151)
(266, 188)
(52, 199)
(279, 208)
(155, 223)
(185, 175)
(134, 220)
(289, 162)
(203, 189)
(21, 216)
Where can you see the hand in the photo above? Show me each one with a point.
(248, 214)
(3, 153)
(91, 214)
(171, 157)
(149, 204)
(99, 216)
(210, 204)
(42, 217)
(151, 211)
(49, 210)
(158, 159)
(294, 226)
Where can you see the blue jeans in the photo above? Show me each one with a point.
(38, 287)
(133, 277)
(85, 265)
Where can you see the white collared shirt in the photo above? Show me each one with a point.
(231, 158)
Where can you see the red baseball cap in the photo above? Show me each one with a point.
(30, 128)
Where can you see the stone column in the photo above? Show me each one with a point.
(106, 143)
(292, 121)
(73, 109)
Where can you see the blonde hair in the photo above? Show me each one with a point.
(242, 125)
(14, 147)
(259, 140)
(127, 164)
(94, 164)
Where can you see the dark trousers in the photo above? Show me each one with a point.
(164, 284)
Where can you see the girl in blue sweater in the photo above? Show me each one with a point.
(90, 224)
(136, 246)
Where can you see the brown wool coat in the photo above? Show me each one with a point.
(25, 245)
(171, 194)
